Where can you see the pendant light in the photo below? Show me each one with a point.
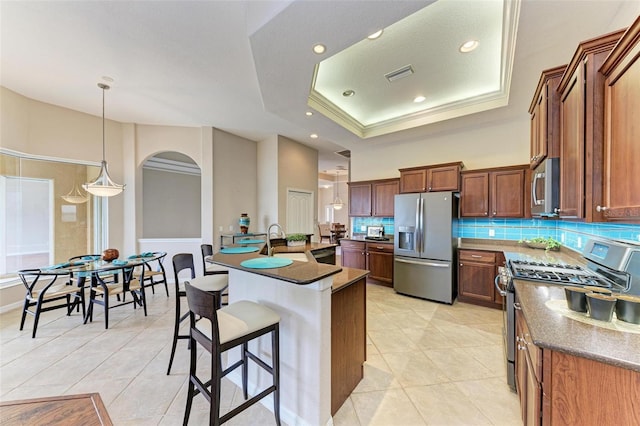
(75, 196)
(103, 186)
(337, 203)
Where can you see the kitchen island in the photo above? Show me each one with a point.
(322, 330)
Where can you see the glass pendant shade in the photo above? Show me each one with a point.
(337, 202)
(103, 185)
(75, 196)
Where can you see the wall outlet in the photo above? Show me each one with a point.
(579, 242)
(220, 228)
(562, 238)
(492, 232)
(230, 227)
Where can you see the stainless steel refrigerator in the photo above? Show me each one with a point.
(424, 245)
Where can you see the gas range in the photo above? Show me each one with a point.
(557, 273)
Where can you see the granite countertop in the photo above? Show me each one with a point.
(296, 273)
(302, 249)
(347, 277)
(513, 250)
(551, 329)
(363, 239)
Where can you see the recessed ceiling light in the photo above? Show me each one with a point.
(469, 46)
(313, 136)
(319, 49)
(419, 99)
(375, 35)
(348, 93)
(308, 113)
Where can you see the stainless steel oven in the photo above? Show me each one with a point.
(504, 285)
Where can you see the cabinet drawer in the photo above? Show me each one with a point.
(382, 248)
(355, 245)
(477, 256)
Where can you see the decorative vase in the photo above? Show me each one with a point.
(110, 254)
(244, 222)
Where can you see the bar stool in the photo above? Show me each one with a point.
(215, 284)
(211, 269)
(219, 330)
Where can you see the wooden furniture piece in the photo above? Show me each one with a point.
(84, 409)
(496, 192)
(234, 237)
(621, 180)
(220, 329)
(372, 198)
(208, 268)
(338, 232)
(46, 291)
(557, 388)
(154, 276)
(376, 257)
(437, 177)
(348, 340)
(324, 231)
(582, 129)
(477, 270)
(545, 117)
(215, 284)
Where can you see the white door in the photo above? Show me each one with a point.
(299, 211)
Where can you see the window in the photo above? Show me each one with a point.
(37, 225)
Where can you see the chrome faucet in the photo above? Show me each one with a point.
(281, 231)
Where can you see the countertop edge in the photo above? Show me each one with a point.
(346, 277)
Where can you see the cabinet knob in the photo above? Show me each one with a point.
(461, 264)
(494, 213)
(485, 213)
(602, 208)
(429, 188)
(557, 210)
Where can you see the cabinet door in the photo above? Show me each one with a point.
(353, 254)
(474, 198)
(383, 198)
(536, 139)
(380, 262)
(507, 189)
(413, 181)
(572, 148)
(521, 366)
(621, 200)
(475, 281)
(359, 199)
(443, 179)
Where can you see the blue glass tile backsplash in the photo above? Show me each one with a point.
(571, 234)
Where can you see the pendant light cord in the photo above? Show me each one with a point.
(103, 87)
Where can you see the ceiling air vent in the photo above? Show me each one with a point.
(346, 153)
(403, 72)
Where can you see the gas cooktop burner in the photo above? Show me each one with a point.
(546, 265)
(557, 273)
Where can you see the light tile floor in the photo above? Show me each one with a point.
(427, 364)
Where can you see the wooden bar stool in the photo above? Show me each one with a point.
(219, 330)
(215, 284)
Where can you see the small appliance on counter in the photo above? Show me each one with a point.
(376, 233)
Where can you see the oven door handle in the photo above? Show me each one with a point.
(502, 292)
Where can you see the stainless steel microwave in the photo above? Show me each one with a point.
(545, 188)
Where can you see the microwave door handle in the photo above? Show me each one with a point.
(534, 185)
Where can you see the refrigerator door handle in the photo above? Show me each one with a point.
(412, 262)
(418, 230)
(422, 225)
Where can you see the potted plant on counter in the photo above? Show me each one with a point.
(296, 240)
(542, 243)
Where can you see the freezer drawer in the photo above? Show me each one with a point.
(428, 279)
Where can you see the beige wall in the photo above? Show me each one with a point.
(297, 169)
(267, 182)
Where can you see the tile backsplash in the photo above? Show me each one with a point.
(571, 234)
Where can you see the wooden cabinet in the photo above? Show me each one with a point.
(376, 257)
(372, 198)
(353, 254)
(380, 263)
(528, 374)
(477, 270)
(581, 130)
(501, 192)
(440, 177)
(557, 388)
(621, 197)
(545, 117)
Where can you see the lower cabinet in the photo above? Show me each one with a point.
(557, 388)
(477, 270)
(377, 258)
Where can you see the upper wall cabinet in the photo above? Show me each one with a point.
(621, 197)
(545, 117)
(582, 129)
(439, 177)
(373, 198)
(499, 192)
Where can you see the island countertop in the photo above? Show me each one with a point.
(552, 330)
(296, 273)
